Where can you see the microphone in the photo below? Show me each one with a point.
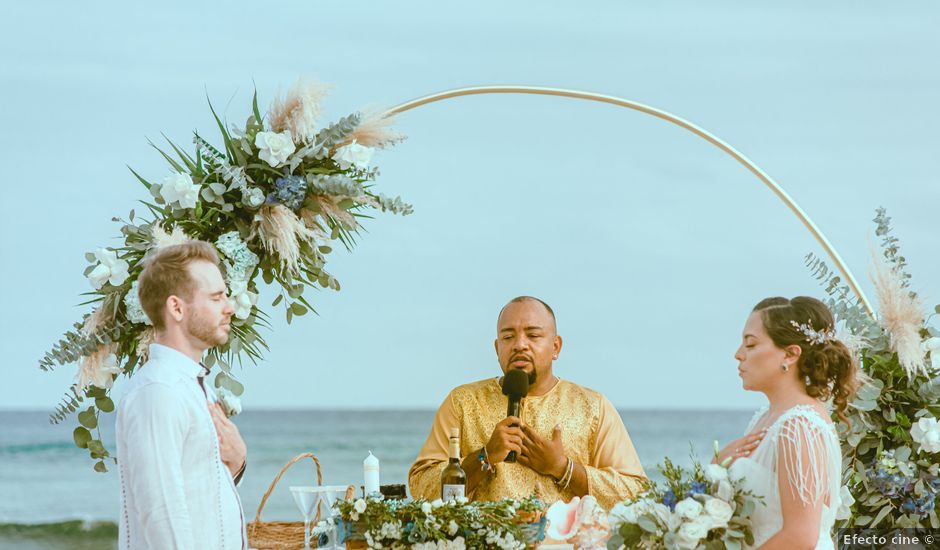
(515, 386)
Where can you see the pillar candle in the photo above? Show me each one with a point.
(370, 469)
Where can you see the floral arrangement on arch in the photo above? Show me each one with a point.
(891, 451)
(272, 199)
(698, 508)
(507, 524)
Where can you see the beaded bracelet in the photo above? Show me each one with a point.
(484, 459)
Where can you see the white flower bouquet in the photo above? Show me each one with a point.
(701, 508)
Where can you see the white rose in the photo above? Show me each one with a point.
(230, 403)
(242, 300)
(360, 506)
(180, 188)
(437, 503)
(665, 516)
(846, 500)
(719, 511)
(109, 269)
(252, 197)
(926, 431)
(274, 148)
(353, 155)
(689, 508)
(932, 346)
(622, 513)
(714, 472)
(426, 507)
(691, 533)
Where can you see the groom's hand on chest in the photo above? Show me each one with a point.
(545, 456)
(232, 448)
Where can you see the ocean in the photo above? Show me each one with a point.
(51, 498)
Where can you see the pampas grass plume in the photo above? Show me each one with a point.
(299, 110)
(900, 314)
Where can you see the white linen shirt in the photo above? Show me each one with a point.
(175, 491)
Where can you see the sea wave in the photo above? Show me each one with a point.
(74, 534)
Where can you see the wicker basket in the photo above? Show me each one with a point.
(281, 535)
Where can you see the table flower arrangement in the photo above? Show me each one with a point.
(424, 525)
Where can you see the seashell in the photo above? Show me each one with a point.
(563, 519)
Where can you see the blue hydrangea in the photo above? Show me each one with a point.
(698, 488)
(240, 260)
(891, 485)
(921, 506)
(669, 499)
(290, 191)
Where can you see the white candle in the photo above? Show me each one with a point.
(370, 469)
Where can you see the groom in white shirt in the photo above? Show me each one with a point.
(179, 456)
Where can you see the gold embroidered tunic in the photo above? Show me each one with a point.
(592, 433)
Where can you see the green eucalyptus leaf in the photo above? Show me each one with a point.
(100, 467)
(647, 524)
(881, 515)
(88, 419)
(81, 436)
(104, 404)
(298, 309)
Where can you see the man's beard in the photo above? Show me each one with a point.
(533, 376)
(206, 331)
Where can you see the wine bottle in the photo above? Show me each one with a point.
(453, 478)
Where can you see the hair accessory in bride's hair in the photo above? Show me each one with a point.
(814, 336)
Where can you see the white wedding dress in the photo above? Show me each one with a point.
(799, 433)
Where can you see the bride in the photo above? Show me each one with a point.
(790, 455)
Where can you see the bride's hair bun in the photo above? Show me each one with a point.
(826, 365)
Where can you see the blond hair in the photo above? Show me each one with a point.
(166, 274)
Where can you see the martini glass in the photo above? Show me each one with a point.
(306, 499)
(327, 495)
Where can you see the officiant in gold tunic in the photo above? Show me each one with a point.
(569, 440)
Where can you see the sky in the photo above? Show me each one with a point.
(650, 244)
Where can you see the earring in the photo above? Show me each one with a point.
(785, 367)
(554, 357)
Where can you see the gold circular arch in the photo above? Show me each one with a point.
(669, 117)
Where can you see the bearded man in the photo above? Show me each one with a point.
(569, 440)
(179, 456)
